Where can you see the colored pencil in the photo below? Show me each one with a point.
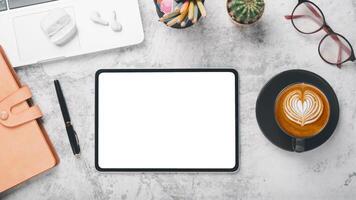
(196, 13)
(182, 16)
(185, 22)
(201, 8)
(191, 10)
(173, 21)
(184, 6)
(178, 6)
(169, 15)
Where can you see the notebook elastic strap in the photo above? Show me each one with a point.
(10, 119)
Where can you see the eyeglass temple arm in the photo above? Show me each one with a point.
(339, 57)
(340, 44)
(312, 9)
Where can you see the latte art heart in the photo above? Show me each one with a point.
(303, 107)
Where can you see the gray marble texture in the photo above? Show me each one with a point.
(258, 53)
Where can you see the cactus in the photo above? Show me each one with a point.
(245, 11)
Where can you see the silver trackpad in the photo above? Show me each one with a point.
(34, 45)
(22, 3)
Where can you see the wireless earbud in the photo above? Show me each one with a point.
(96, 18)
(114, 24)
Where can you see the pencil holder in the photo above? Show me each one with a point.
(180, 13)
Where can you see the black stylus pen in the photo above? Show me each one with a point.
(72, 135)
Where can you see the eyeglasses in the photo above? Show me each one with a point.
(333, 48)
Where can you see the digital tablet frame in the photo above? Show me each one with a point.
(237, 160)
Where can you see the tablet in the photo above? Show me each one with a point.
(166, 120)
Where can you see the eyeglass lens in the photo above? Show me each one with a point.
(334, 49)
(307, 18)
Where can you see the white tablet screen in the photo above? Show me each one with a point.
(166, 120)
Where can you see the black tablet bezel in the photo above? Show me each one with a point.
(235, 168)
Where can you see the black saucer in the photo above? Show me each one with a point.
(265, 108)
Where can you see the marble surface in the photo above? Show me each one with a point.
(258, 53)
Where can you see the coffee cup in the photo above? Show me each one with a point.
(301, 111)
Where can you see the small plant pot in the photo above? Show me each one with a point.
(246, 22)
(177, 26)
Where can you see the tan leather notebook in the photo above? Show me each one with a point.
(25, 149)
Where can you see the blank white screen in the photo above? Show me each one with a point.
(166, 120)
